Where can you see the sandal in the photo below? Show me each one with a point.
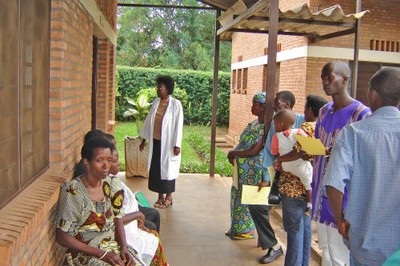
(244, 236)
(159, 204)
(167, 204)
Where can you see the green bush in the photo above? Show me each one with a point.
(197, 84)
(179, 94)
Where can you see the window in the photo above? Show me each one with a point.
(264, 77)
(24, 107)
(244, 80)
(239, 81)
(234, 81)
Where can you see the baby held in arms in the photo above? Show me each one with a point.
(282, 147)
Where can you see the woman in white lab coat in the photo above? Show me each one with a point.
(163, 130)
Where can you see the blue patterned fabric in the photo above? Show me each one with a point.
(250, 172)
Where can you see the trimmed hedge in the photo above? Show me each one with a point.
(197, 84)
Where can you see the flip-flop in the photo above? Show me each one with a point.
(244, 236)
(167, 205)
(158, 204)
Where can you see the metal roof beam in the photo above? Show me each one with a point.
(333, 35)
(279, 32)
(305, 21)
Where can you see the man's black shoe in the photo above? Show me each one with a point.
(271, 255)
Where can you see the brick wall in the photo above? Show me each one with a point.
(70, 81)
(381, 23)
(41, 248)
(105, 92)
(292, 78)
(302, 75)
(241, 107)
(111, 88)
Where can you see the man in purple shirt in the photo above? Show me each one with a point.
(342, 111)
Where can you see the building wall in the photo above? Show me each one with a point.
(27, 236)
(301, 73)
(70, 81)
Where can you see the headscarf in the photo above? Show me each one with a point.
(260, 97)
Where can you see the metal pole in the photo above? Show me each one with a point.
(271, 66)
(356, 52)
(215, 95)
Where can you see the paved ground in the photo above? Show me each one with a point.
(192, 231)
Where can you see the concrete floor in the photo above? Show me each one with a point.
(192, 231)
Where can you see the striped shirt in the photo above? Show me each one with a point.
(329, 123)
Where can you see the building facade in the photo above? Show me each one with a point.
(299, 61)
(57, 65)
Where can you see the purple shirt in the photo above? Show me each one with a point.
(329, 123)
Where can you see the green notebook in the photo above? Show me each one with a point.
(142, 199)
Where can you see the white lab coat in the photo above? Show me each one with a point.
(171, 135)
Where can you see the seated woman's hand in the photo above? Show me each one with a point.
(113, 258)
(126, 256)
(140, 221)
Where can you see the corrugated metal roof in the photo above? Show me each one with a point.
(226, 4)
(330, 22)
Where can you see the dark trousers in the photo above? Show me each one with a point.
(266, 235)
(152, 218)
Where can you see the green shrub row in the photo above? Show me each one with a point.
(197, 84)
(202, 147)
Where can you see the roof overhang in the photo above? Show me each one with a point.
(300, 21)
(226, 4)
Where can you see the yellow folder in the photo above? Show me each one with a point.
(311, 146)
(251, 196)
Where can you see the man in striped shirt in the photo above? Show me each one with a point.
(342, 111)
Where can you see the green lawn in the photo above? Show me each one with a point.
(196, 140)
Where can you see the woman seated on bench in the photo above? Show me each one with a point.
(89, 213)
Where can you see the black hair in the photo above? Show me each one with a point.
(109, 137)
(168, 82)
(94, 133)
(315, 102)
(286, 116)
(386, 82)
(287, 96)
(89, 146)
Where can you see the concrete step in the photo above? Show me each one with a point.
(221, 142)
(223, 145)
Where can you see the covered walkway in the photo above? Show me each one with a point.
(192, 231)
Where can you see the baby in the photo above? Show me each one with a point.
(281, 146)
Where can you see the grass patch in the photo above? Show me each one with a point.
(202, 147)
(195, 142)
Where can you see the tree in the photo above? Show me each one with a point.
(169, 38)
